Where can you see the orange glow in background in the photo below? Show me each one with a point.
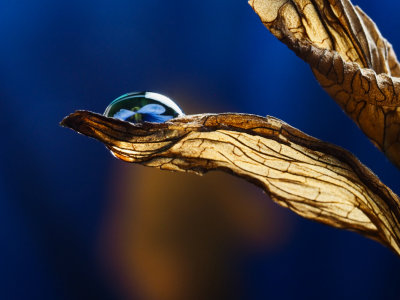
(174, 236)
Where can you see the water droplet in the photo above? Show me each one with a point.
(143, 107)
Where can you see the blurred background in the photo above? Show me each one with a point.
(75, 223)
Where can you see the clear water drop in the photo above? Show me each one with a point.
(143, 107)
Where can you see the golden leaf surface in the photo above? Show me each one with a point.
(348, 56)
(316, 180)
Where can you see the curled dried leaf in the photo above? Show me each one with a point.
(316, 180)
(348, 56)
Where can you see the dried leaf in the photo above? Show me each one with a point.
(317, 180)
(348, 56)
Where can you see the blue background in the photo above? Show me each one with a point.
(210, 56)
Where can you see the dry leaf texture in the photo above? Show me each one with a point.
(317, 180)
(348, 56)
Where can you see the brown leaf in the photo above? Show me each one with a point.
(348, 56)
(317, 180)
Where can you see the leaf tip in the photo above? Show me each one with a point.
(71, 120)
(78, 121)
